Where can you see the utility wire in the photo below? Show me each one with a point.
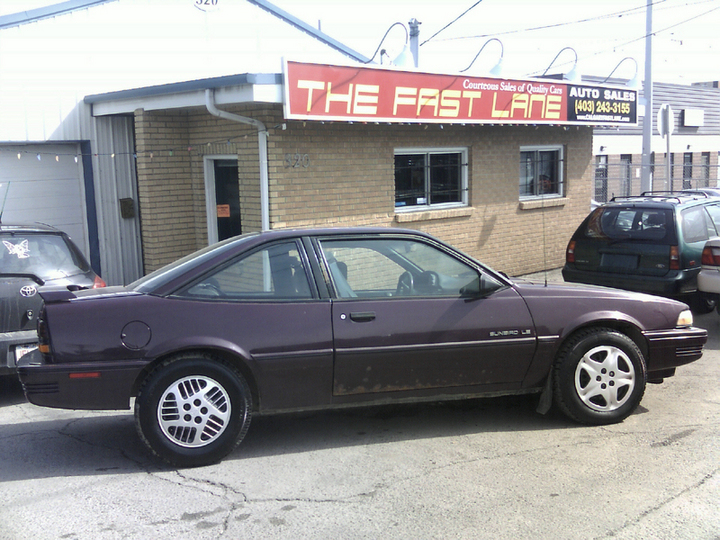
(655, 32)
(452, 22)
(554, 25)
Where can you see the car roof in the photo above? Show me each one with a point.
(29, 228)
(663, 199)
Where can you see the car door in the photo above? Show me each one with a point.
(410, 316)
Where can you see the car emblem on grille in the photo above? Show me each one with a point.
(28, 290)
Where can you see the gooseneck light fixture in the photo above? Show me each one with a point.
(571, 75)
(404, 59)
(497, 69)
(632, 83)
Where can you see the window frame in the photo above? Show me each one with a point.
(560, 171)
(464, 180)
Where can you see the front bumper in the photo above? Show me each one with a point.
(668, 349)
(90, 386)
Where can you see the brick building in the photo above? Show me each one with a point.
(348, 172)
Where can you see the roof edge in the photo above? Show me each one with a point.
(187, 86)
(304, 27)
(33, 15)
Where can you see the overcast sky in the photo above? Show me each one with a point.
(686, 47)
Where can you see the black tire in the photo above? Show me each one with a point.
(600, 377)
(215, 420)
(702, 302)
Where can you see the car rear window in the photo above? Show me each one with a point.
(47, 256)
(617, 223)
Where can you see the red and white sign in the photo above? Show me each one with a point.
(345, 93)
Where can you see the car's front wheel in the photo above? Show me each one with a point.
(599, 377)
(193, 410)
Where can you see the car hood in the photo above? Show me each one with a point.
(564, 306)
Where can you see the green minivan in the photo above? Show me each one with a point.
(649, 243)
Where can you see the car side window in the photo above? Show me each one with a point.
(273, 273)
(390, 268)
(696, 225)
(714, 212)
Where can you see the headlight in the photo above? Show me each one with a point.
(685, 318)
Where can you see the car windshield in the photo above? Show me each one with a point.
(652, 224)
(47, 256)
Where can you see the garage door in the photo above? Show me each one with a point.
(44, 183)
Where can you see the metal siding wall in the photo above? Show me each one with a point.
(115, 179)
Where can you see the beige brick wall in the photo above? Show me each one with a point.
(337, 174)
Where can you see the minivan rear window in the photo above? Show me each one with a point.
(652, 224)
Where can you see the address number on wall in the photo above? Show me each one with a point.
(297, 160)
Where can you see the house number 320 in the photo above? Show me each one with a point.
(297, 160)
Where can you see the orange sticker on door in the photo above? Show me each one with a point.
(223, 210)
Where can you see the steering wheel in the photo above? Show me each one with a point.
(209, 288)
(429, 282)
(406, 285)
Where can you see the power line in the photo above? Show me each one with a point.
(617, 14)
(452, 22)
(655, 32)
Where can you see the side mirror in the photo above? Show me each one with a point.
(479, 287)
(472, 289)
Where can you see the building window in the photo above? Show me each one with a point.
(705, 167)
(601, 178)
(541, 172)
(425, 178)
(687, 170)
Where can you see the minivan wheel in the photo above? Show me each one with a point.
(193, 410)
(600, 376)
(702, 302)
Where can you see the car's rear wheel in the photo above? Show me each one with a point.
(193, 410)
(599, 377)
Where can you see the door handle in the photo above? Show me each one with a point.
(363, 316)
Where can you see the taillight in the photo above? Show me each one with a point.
(570, 252)
(711, 256)
(674, 258)
(99, 283)
(43, 334)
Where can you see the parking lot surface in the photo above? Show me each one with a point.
(487, 468)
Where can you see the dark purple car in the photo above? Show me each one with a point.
(311, 319)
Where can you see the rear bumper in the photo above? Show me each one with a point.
(672, 348)
(709, 281)
(8, 343)
(78, 386)
(674, 283)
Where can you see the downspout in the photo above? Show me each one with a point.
(262, 150)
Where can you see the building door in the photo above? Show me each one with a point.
(222, 192)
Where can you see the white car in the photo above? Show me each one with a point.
(709, 276)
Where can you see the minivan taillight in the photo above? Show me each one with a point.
(570, 252)
(99, 283)
(711, 256)
(674, 258)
